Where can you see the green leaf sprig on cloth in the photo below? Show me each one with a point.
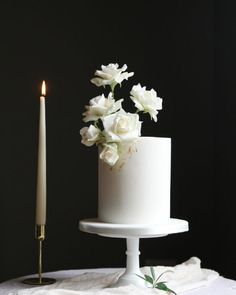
(155, 281)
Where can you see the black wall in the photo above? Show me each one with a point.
(183, 49)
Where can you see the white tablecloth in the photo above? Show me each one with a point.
(219, 286)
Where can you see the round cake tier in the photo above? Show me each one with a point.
(139, 191)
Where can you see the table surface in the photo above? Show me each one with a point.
(220, 286)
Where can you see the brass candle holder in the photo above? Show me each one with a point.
(39, 281)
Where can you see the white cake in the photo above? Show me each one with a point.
(138, 192)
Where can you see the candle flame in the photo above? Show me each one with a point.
(43, 88)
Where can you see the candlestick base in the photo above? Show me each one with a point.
(38, 281)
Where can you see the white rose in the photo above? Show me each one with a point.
(111, 75)
(109, 154)
(121, 126)
(146, 101)
(100, 106)
(89, 135)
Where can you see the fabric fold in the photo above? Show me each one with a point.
(180, 278)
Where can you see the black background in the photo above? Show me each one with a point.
(183, 49)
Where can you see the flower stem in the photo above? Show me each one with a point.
(113, 85)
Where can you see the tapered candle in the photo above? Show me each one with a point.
(41, 173)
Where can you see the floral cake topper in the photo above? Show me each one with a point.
(112, 128)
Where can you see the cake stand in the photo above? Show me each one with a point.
(132, 233)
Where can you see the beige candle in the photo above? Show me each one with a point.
(41, 173)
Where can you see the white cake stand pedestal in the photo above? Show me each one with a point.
(132, 233)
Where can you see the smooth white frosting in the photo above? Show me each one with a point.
(138, 192)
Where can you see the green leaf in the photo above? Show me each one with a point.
(146, 278)
(153, 273)
(154, 282)
(162, 286)
(162, 275)
(149, 279)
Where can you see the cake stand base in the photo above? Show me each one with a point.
(132, 233)
(132, 265)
